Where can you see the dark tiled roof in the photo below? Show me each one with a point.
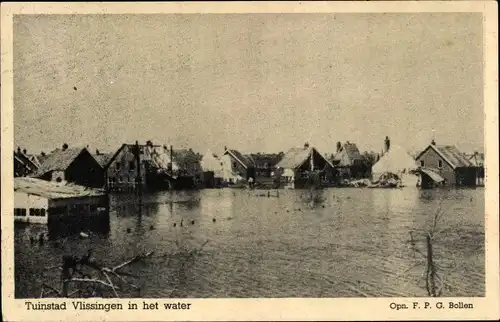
(246, 162)
(348, 153)
(103, 158)
(58, 160)
(453, 156)
(450, 154)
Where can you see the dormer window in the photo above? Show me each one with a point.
(440, 164)
(422, 164)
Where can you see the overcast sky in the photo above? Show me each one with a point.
(253, 82)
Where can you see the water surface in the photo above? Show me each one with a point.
(355, 244)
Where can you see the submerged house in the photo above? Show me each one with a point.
(151, 167)
(396, 160)
(298, 163)
(213, 172)
(74, 165)
(128, 170)
(348, 160)
(449, 163)
(236, 166)
(265, 164)
(477, 160)
(41, 201)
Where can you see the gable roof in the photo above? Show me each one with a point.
(59, 160)
(348, 153)
(450, 154)
(103, 158)
(243, 160)
(295, 157)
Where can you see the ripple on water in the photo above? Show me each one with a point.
(357, 245)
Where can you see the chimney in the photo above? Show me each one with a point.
(339, 146)
(97, 152)
(25, 151)
(225, 148)
(18, 150)
(65, 147)
(433, 142)
(306, 146)
(387, 144)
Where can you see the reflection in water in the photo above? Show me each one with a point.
(64, 228)
(262, 246)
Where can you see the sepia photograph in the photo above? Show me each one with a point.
(248, 155)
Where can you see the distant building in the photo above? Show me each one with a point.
(74, 165)
(40, 201)
(236, 166)
(153, 167)
(396, 160)
(23, 164)
(213, 172)
(102, 158)
(265, 163)
(477, 159)
(298, 163)
(348, 160)
(127, 169)
(449, 163)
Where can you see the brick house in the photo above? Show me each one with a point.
(449, 163)
(236, 164)
(75, 165)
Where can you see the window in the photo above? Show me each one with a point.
(32, 211)
(440, 164)
(42, 212)
(131, 166)
(19, 212)
(118, 165)
(422, 164)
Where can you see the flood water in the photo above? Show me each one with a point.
(355, 244)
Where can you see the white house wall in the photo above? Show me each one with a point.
(26, 201)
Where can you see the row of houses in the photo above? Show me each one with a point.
(131, 167)
(149, 166)
(444, 163)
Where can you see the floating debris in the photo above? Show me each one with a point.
(84, 235)
(192, 222)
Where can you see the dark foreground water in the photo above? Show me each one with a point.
(355, 244)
